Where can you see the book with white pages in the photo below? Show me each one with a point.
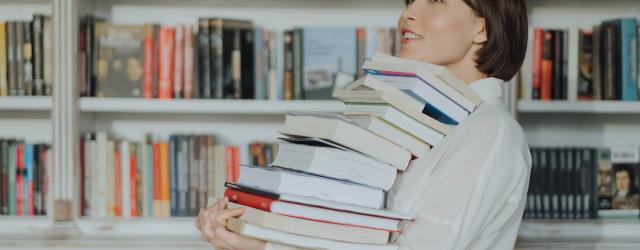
(253, 231)
(312, 228)
(339, 130)
(438, 75)
(319, 202)
(368, 89)
(317, 157)
(428, 95)
(398, 119)
(387, 130)
(282, 180)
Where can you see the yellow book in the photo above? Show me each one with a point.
(4, 88)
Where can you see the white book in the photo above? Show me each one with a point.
(335, 163)
(427, 95)
(392, 133)
(101, 169)
(88, 168)
(340, 130)
(573, 64)
(125, 179)
(443, 77)
(398, 119)
(302, 184)
(368, 89)
(220, 170)
(253, 231)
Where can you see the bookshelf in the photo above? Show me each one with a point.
(60, 119)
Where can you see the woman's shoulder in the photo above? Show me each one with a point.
(491, 121)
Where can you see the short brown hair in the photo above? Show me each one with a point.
(506, 21)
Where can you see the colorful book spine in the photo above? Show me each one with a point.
(134, 180)
(189, 62)
(156, 181)
(13, 175)
(178, 69)
(20, 170)
(4, 86)
(165, 74)
(164, 180)
(28, 179)
(628, 52)
(547, 66)
(148, 63)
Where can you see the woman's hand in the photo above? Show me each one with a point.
(211, 223)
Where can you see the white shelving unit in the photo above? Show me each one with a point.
(241, 121)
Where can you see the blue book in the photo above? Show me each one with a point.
(329, 60)
(28, 177)
(172, 176)
(628, 59)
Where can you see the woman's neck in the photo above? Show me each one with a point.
(467, 71)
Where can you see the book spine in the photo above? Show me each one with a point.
(202, 172)
(585, 75)
(19, 59)
(156, 61)
(150, 178)
(288, 66)
(156, 180)
(172, 175)
(361, 38)
(133, 180)
(564, 93)
(178, 73)
(547, 66)
(117, 160)
(13, 177)
(28, 179)
(164, 180)
(183, 176)
(27, 55)
(247, 199)
(139, 190)
(188, 62)
(194, 156)
(596, 62)
(210, 168)
(20, 173)
(628, 59)
(557, 84)
(4, 176)
(259, 81)
(125, 179)
(165, 74)
(4, 85)
(298, 67)
(83, 175)
(38, 54)
(609, 67)
(12, 73)
(204, 90)
(217, 62)
(148, 51)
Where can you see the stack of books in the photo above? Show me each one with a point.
(326, 187)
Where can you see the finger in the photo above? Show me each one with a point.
(199, 220)
(222, 217)
(222, 203)
(231, 238)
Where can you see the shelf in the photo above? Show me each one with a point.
(583, 107)
(25, 103)
(200, 106)
(581, 234)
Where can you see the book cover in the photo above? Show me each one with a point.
(329, 60)
(619, 196)
(119, 65)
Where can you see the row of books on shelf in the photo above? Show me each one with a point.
(26, 57)
(577, 64)
(223, 58)
(326, 187)
(152, 177)
(24, 169)
(584, 183)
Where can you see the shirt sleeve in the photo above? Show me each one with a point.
(476, 186)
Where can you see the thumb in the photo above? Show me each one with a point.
(221, 219)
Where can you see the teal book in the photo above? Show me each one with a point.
(329, 60)
(628, 59)
(28, 179)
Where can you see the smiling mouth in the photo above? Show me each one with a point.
(410, 35)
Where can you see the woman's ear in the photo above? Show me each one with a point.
(480, 31)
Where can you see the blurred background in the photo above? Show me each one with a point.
(87, 83)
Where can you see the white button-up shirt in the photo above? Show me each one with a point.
(469, 192)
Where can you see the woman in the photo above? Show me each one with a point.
(469, 193)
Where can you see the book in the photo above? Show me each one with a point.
(166, 46)
(371, 90)
(4, 85)
(339, 130)
(379, 126)
(596, 62)
(628, 60)
(303, 184)
(437, 105)
(119, 65)
(38, 26)
(247, 229)
(189, 63)
(319, 202)
(537, 63)
(311, 212)
(462, 95)
(439, 71)
(312, 228)
(585, 69)
(178, 59)
(20, 86)
(328, 60)
(619, 196)
(610, 60)
(547, 66)
(148, 62)
(319, 158)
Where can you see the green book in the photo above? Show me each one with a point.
(12, 179)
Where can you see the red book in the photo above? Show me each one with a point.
(547, 66)
(118, 182)
(537, 63)
(20, 180)
(133, 187)
(165, 71)
(233, 163)
(311, 212)
(178, 70)
(147, 51)
(188, 62)
(156, 178)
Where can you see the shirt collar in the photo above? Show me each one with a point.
(488, 88)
